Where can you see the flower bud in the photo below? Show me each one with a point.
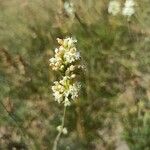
(73, 76)
(60, 41)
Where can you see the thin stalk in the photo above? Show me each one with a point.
(60, 132)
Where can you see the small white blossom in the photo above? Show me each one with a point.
(67, 42)
(56, 63)
(58, 97)
(74, 90)
(73, 76)
(61, 129)
(128, 9)
(69, 70)
(71, 55)
(114, 7)
(69, 8)
(65, 131)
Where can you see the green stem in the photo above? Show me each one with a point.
(60, 132)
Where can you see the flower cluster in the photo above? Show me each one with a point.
(64, 90)
(65, 61)
(115, 7)
(69, 8)
(128, 9)
(65, 54)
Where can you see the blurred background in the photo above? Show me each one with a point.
(113, 112)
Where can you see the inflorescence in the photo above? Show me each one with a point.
(128, 10)
(66, 61)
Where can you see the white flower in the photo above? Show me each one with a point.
(64, 91)
(72, 76)
(114, 7)
(65, 131)
(69, 8)
(71, 55)
(128, 9)
(72, 93)
(129, 3)
(66, 56)
(61, 129)
(56, 63)
(74, 90)
(58, 97)
(69, 70)
(69, 42)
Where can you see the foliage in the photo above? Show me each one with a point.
(116, 91)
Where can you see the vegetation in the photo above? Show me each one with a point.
(113, 109)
